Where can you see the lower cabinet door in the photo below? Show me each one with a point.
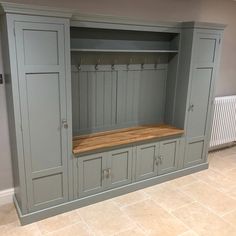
(146, 161)
(168, 157)
(194, 153)
(119, 164)
(92, 174)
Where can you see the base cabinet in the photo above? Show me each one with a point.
(102, 171)
(98, 172)
(157, 158)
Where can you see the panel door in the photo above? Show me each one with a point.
(120, 167)
(146, 161)
(41, 69)
(205, 58)
(92, 174)
(169, 156)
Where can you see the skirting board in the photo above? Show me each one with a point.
(68, 206)
(6, 196)
(222, 146)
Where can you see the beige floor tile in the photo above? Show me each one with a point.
(231, 174)
(221, 164)
(232, 193)
(189, 233)
(231, 218)
(105, 218)
(131, 198)
(153, 188)
(131, 232)
(78, 229)
(8, 214)
(226, 151)
(58, 222)
(203, 221)
(219, 202)
(180, 182)
(154, 220)
(169, 198)
(216, 179)
(15, 229)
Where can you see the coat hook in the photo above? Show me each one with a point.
(155, 66)
(96, 66)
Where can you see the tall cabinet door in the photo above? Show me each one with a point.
(205, 61)
(42, 84)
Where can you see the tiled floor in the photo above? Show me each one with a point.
(200, 204)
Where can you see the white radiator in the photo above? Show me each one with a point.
(224, 121)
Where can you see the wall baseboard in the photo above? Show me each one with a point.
(6, 196)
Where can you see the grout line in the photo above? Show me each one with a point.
(171, 214)
(133, 221)
(86, 224)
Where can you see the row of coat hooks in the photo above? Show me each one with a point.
(131, 61)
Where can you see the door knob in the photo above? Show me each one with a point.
(65, 124)
(109, 172)
(190, 108)
(105, 174)
(157, 160)
(161, 158)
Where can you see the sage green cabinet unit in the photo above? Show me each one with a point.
(169, 156)
(146, 161)
(125, 74)
(92, 174)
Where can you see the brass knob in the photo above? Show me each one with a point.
(157, 160)
(65, 124)
(161, 158)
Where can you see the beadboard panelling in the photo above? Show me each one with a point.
(93, 100)
(104, 98)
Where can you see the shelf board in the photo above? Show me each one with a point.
(122, 50)
(101, 140)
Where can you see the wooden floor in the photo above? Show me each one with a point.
(87, 143)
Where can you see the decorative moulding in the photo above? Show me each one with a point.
(94, 20)
(6, 7)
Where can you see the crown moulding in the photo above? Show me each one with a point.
(25, 9)
(81, 19)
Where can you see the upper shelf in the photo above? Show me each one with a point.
(122, 50)
(122, 41)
